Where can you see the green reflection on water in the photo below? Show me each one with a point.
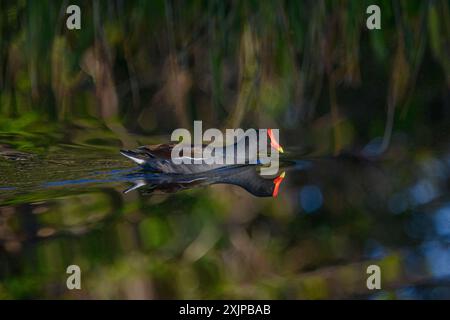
(70, 100)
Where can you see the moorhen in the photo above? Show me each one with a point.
(158, 157)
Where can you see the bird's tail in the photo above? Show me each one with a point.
(134, 156)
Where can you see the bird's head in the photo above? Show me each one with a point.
(273, 141)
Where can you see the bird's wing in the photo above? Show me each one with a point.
(164, 151)
(161, 151)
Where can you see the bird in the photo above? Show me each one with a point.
(158, 157)
(246, 177)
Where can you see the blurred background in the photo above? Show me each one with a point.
(70, 99)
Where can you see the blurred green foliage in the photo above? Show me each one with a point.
(69, 99)
(147, 67)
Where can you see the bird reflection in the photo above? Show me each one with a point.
(246, 177)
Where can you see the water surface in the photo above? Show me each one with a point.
(332, 218)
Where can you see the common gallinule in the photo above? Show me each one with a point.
(158, 157)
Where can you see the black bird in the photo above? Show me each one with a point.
(159, 157)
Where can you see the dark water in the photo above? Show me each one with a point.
(332, 218)
(363, 117)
